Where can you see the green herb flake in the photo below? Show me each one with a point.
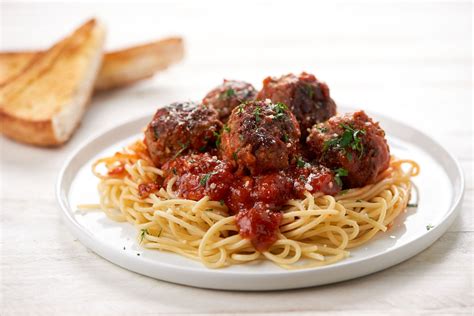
(257, 113)
(143, 232)
(322, 129)
(300, 162)
(280, 110)
(240, 108)
(412, 205)
(226, 128)
(229, 93)
(349, 156)
(340, 172)
(350, 139)
(234, 155)
(183, 148)
(217, 135)
(285, 138)
(222, 202)
(205, 178)
(429, 226)
(309, 90)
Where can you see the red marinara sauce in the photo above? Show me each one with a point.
(198, 175)
(255, 200)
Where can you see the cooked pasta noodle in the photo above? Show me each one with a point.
(315, 231)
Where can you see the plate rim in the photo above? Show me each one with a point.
(429, 237)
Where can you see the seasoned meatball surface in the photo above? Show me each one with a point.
(180, 128)
(261, 136)
(353, 145)
(305, 96)
(225, 97)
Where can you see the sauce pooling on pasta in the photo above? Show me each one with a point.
(256, 200)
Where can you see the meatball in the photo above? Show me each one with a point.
(180, 128)
(306, 97)
(260, 136)
(353, 145)
(225, 97)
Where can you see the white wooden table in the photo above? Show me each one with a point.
(411, 61)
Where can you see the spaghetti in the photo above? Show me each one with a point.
(316, 230)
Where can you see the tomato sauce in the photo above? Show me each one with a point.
(255, 200)
(117, 172)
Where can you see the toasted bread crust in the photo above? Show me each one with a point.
(13, 63)
(119, 68)
(43, 104)
(39, 133)
(127, 66)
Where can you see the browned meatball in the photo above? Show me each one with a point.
(260, 137)
(180, 128)
(353, 145)
(306, 97)
(225, 97)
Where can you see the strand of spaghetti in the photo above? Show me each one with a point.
(178, 221)
(202, 230)
(287, 260)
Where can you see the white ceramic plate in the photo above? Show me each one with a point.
(439, 191)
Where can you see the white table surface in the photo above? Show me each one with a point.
(411, 61)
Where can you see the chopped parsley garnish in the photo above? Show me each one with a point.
(429, 226)
(226, 128)
(322, 129)
(142, 235)
(234, 155)
(227, 94)
(340, 172)
(183, 148)
(218, 138)
(285, 138)
(412, 205)
(280, 109)
(349, 156)
(174, 171)
(230, 92)
(222, 202)
(309, 90)
(350, 139)
(300, 162)
(205, 178)
(240, 108)
(257, 113)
